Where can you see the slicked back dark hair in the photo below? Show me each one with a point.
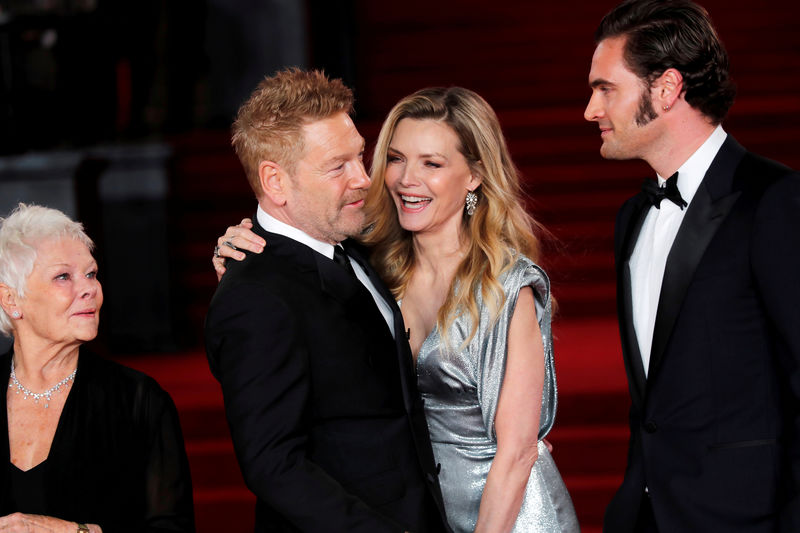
(664, 34)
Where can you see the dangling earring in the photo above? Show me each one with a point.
(471, 202)
(16, 314)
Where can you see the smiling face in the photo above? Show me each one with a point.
(63, 296)
(325, 194)
(621, 105)
(427, 176)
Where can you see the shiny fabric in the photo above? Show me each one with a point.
(461, 391)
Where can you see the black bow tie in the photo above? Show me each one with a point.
(669, 191)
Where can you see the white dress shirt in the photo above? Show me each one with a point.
(649, 257)
(273, 225)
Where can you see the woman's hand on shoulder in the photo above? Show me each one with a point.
(34, 523)
(236, 238)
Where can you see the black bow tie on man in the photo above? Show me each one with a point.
(669, 191)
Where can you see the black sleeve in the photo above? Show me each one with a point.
(256, 350)
(168, 483)
(776, 264)
(118, 458)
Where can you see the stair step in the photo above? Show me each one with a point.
(231, 510)
(591, 496)
(213, 463)
(609, 451)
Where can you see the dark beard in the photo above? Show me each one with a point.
(646, 113)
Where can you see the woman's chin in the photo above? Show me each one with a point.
(86, 334)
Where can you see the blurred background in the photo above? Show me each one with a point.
(118, 113)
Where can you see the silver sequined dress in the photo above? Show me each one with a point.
(461, 392)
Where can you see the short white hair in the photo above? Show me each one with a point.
(25, 228)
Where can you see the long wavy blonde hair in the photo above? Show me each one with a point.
(499, 229)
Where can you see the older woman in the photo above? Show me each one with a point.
(92, 445)
(451, 239)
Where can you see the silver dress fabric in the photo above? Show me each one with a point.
(461, 392)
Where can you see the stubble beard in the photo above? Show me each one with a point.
(328, 223)
(345, 227)
(350, 230)
(645, 114)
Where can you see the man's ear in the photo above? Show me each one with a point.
(274, 180)
(667, 89)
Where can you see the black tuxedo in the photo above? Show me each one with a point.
(321, 400)
(715, 427)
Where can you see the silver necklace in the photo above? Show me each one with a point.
(37, 395)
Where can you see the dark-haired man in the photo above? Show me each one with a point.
(708, 298)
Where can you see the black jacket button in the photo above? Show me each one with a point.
(650, 426)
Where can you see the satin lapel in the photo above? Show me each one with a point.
(339, 284)
(377, 282)
(407, 373)
(711, 204)
(354, 297)
(630, 223)
(633, 357)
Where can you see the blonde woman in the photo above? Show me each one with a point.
(451, 239)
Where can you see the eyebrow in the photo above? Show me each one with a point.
(68, 265)
(600, 81)
(342, 158)
(434, 154)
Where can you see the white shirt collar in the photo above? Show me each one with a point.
(691, 173)
(273, 225)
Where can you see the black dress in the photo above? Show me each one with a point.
(117, 457)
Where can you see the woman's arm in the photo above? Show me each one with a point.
(516, 422)
(168, 484)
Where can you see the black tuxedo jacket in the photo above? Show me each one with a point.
(321, 400)
(715, 427)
